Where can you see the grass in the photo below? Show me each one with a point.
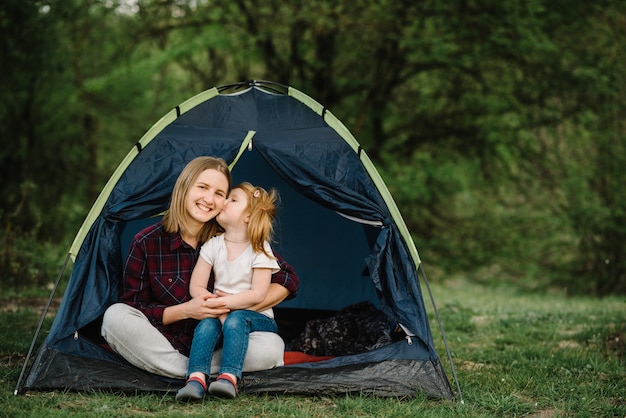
(515, 354)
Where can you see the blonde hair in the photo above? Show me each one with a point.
(262, 207)
(177, 219)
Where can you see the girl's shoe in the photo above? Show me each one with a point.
(193, 390)
(223, 387)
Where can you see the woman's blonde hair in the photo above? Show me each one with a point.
(177, 219)
(262, 207)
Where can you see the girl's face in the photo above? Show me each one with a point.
(235, 211)
(207, 195)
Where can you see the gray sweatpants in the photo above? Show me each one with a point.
(130, 334)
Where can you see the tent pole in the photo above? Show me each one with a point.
(443, 335)
(43, 317)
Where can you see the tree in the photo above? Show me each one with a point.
(498, 126)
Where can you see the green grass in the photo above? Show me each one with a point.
(515, 354)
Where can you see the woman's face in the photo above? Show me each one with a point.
(207, 195)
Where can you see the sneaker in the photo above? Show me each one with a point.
(191, 392)
(223, 387)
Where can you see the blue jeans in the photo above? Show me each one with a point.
(233, 335)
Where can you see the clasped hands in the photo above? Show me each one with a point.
(208, 305)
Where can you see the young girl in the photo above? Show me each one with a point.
(243, 263)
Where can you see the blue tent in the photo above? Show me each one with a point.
(338, 226)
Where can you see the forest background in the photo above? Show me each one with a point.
(499, 127)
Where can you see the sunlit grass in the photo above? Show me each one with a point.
(521, 354)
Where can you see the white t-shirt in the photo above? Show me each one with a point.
(236, 276)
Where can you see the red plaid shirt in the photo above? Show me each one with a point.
(157, 274)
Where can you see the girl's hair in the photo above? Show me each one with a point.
(262, 206)
(177, 219)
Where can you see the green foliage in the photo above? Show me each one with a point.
(28, 267)
(498, 127)
(17, 323)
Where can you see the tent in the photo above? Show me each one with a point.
(338, 226)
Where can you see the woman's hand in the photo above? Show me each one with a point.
(204, 306)
(210, 306)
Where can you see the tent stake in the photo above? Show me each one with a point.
(43, 317)
(443, 334)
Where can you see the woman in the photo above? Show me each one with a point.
(152, 326)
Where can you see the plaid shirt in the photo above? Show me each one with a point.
(157, 274)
